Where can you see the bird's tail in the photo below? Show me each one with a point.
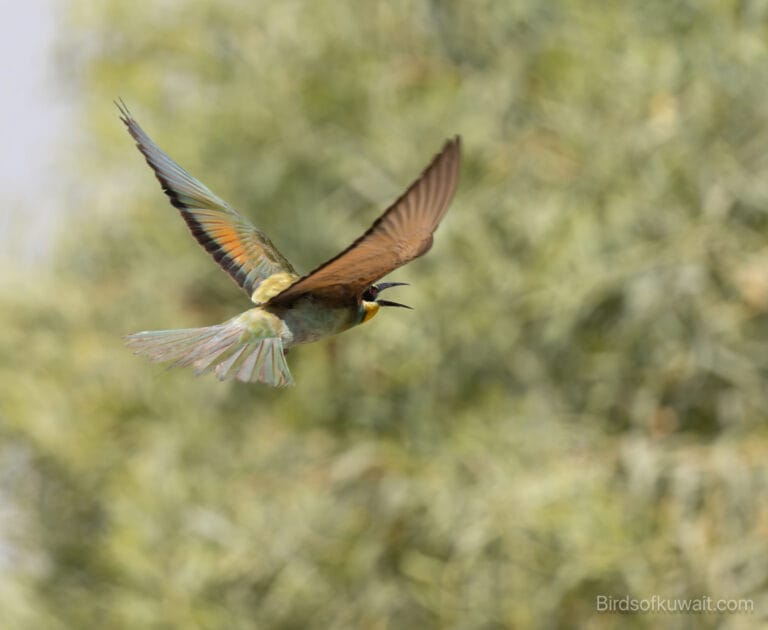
(228, 349)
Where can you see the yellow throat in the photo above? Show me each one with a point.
(371, 308)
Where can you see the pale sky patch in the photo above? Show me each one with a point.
(33, 123)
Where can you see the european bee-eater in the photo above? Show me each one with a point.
(290, 309)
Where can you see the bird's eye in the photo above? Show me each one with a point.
(370, 293)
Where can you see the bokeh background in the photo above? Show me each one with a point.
(576, 407)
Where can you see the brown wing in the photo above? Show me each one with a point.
(403, 232)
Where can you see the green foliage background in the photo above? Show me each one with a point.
(576, 407)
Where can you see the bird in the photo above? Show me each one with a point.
(289, 309)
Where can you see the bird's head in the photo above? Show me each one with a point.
(372, 302)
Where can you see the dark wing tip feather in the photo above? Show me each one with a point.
(122, 107)
(136, 133)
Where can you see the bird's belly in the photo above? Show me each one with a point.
(309, 322)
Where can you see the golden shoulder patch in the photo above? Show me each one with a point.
(272, 286)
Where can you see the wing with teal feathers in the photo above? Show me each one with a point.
(244, 252)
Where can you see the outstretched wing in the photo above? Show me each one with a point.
(403, 232)
(243, 252)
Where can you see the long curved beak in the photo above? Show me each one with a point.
(387, 285)
(388, 303)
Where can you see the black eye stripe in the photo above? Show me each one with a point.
(370, 293)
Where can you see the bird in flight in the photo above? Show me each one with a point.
(290, 309)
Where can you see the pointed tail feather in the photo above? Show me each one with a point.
(227, 349)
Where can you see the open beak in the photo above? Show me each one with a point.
(386, 285)
(388, 303)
